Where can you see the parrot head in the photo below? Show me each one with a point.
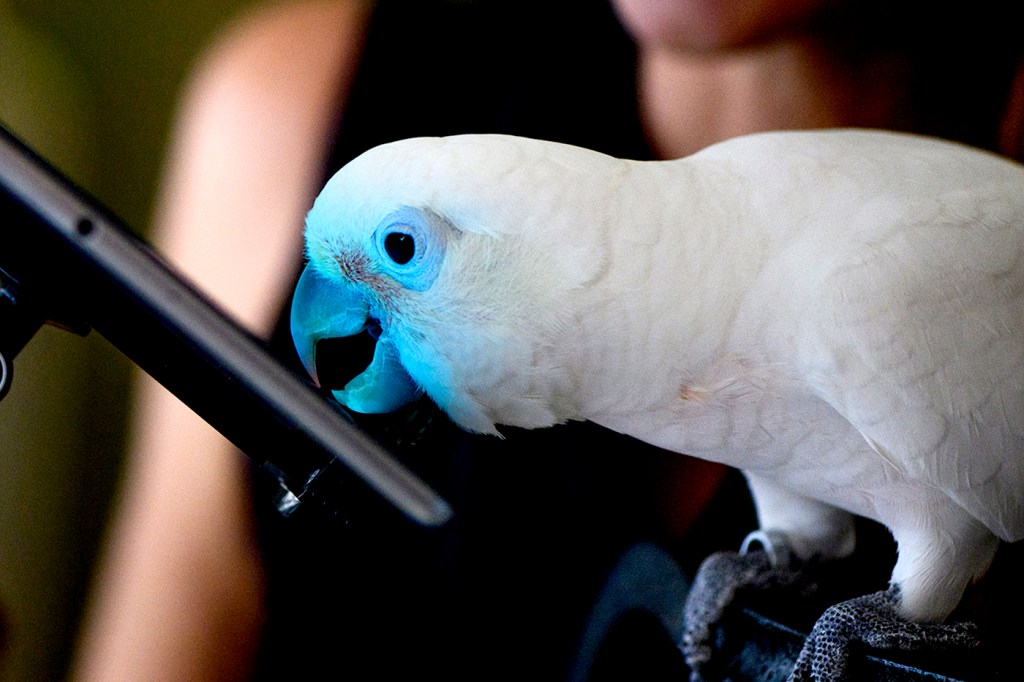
(449, 253)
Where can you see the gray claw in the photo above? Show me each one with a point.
(874, 621)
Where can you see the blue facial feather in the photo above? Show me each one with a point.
(408, 248)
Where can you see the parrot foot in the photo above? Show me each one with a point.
(765, 562)
(872, 620)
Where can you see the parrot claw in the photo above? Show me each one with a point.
(873, 621)
(764, 562)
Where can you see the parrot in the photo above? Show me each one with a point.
(839, 314)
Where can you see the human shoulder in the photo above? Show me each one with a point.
(248, 148)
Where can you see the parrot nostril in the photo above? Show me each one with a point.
(341, 359)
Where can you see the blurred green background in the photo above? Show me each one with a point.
(92, 85)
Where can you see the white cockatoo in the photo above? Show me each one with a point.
(838, 314)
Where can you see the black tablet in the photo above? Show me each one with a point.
(66, 260)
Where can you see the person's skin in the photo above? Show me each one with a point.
(713, 69)
(179, 593)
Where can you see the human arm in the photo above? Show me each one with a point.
(178, 593)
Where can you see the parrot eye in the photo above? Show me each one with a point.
(400, 247)
(410, 245)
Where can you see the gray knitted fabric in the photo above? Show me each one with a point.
(721, 577)
(869, 621)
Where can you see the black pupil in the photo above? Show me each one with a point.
(401, 247)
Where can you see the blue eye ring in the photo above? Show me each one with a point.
(410, 245)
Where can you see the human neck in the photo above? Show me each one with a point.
(690, 101)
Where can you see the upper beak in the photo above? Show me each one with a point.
(324, 309)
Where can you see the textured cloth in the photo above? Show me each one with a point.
(760, 633)
(722, 579)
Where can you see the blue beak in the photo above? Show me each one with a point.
(325, 309)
